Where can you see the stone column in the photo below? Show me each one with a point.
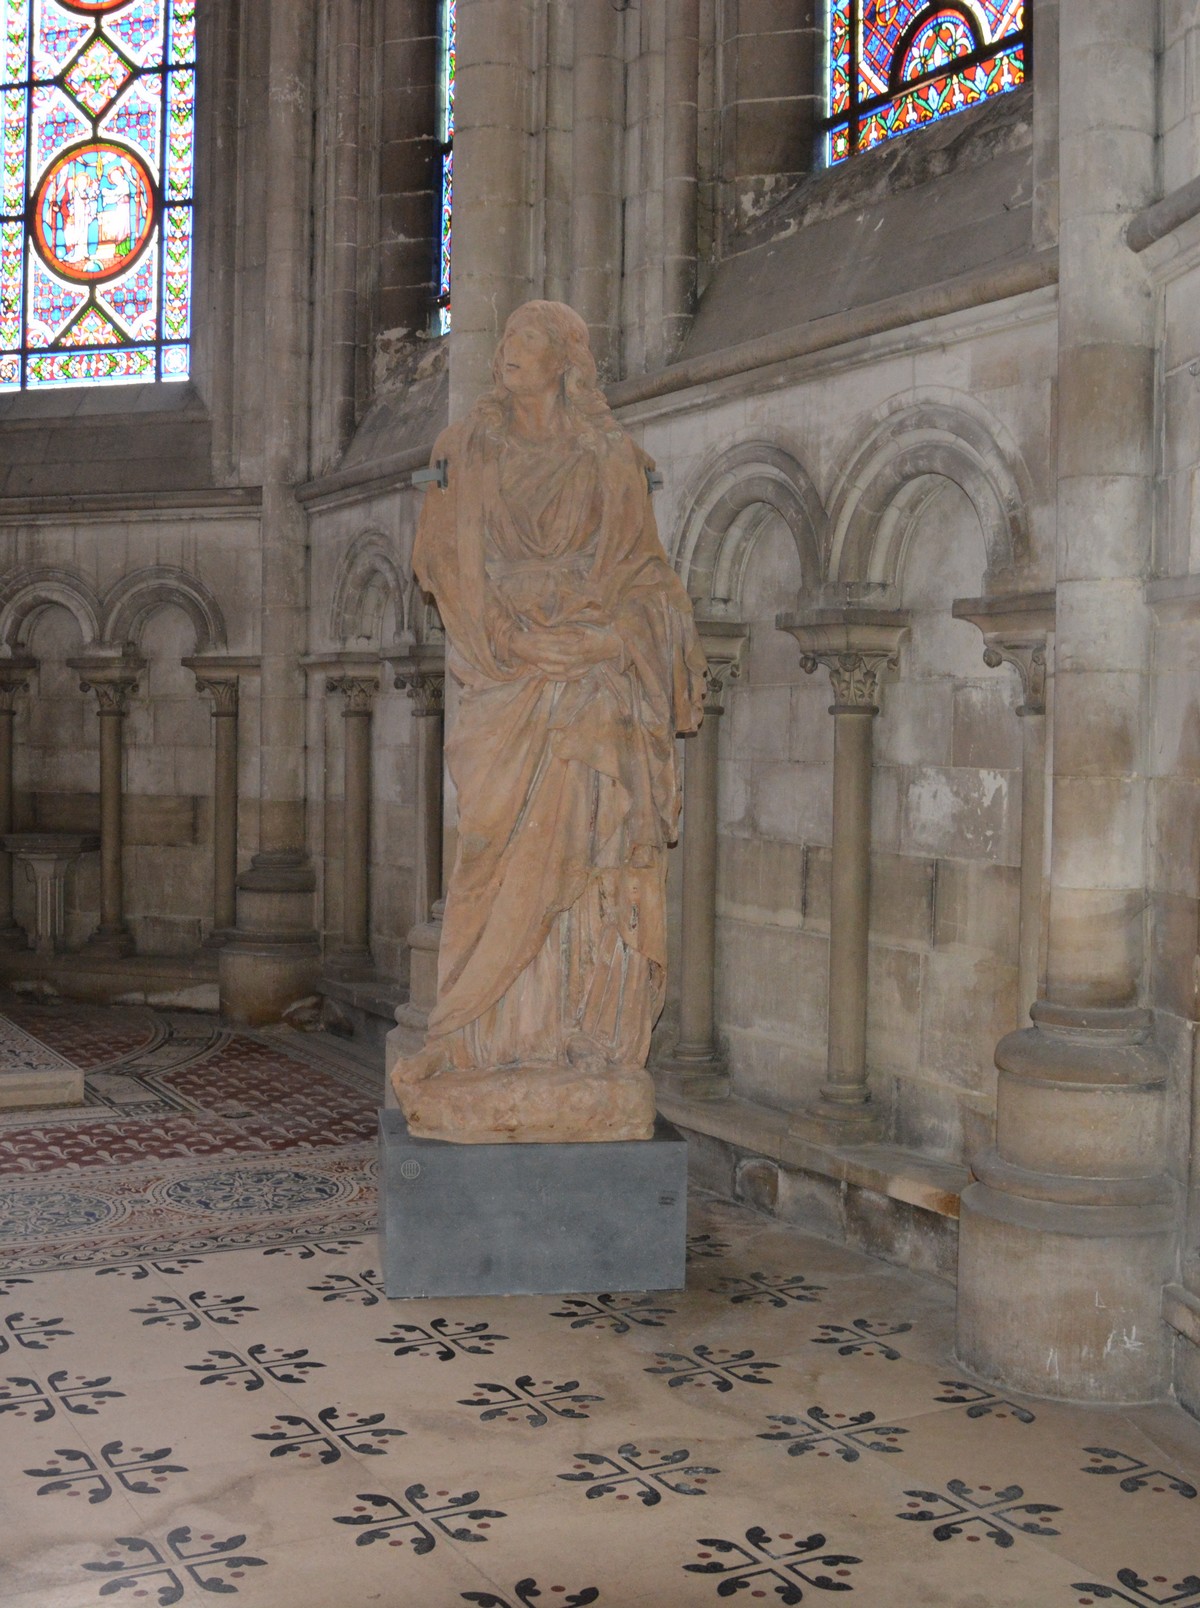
(492, 210)
(14, 679)
(697, 1068)
(1015, 631)
(273, 957)
(223, 690)
(1067, 1238)
(681, 71)
(423, 674)
(112, 682)
(598, 88)
(358, 694)
(855, 646)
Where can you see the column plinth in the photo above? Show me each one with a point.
(856, 646)
(697, 1067)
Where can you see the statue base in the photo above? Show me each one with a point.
(530, 1105)
(540, 1219)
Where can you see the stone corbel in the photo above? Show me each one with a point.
(855, 645)
(421, 672)
(359, 691)
(1015, 631)
(724, 642)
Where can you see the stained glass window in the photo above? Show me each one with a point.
(97, 118)
(897, 64)
(445, 185)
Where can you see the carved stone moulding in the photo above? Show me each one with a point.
(856, 646)
(1015, 628)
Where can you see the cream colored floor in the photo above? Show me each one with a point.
(790, 1427)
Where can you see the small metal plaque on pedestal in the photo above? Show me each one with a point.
(535, 1219)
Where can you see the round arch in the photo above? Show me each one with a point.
(131, 602)
(747, 486)
(26, 592)
(879, 495)
(368, 583)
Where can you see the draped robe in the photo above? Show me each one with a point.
(554, 937)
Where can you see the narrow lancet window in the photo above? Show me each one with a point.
(895, 65)
(445, 177)
(97, 125)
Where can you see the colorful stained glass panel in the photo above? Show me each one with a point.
(897, 64)
(97, 132)
(445, 197)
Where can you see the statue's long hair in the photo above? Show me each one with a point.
(586, 408)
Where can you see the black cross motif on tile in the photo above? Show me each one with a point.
(533, 1401)
(631, 1473)
(864, 1335)
(527, 1593)
(133, 1562)
(791, 1561)
(833, 1434)
(305, 1253)
(260, 1362)
(994, 1515)
(187, 1314)
(1134, 1474)
(365, 1288)
(771, 1289)
(617, 1313)
(980, 1402)
(32, 1334)
(706, 1366)
(75, 1472)
(413, 1522)
(338, 1431)
(444, 1340)
(25, 1398)
(1132, 1588)
(702, 1247)
(142, 1270)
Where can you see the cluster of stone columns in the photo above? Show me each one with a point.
(422, 673)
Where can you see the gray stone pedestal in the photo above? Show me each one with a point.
(531, 1219)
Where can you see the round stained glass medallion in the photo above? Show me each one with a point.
(93, 211)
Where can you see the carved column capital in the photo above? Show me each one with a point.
(724, 642)
(223, 690)
(1015, 631)
(855, 645)
(357, 690)
(14, 680)
(421, 672)
(112, 682)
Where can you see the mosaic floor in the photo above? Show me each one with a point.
(259, 1423)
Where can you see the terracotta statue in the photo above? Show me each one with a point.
(575, 655)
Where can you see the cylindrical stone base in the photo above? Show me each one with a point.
(258, 983)
(1064, 1301)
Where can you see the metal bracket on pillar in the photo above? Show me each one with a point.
(856, 646)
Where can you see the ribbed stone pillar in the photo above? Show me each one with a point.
(358, 695)
(855, 646)
(423, 674)
(1015, 631)
(681, 72)
(14, 680)
(697, 1066)
(1066, 1240)
(272, 959)
(598, 90)
(111, 681)
(493, 112)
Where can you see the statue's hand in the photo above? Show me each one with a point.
(565, 652)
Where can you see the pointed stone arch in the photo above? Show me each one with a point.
(131, 602)
(744, 490)
(878, 498)
(26, 592)
(368, 586)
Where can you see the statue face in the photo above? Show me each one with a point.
(529, 363)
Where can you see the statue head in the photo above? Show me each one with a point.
(567, 337)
